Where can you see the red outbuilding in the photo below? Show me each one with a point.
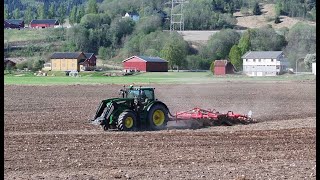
(43, 23)
(145, 64)
(222, 67)
(90, 63)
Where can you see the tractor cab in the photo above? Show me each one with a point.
(138, 92)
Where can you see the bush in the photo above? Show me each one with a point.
(212, 67)
(277, 20)
(22, 65)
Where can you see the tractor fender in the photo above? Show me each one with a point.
(157, 102)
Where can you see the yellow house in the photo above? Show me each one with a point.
(67, 61)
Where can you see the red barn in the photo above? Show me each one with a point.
(43, 23)
(222, 67)
(145, 64)
(89, 63)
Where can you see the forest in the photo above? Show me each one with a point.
(99, 27)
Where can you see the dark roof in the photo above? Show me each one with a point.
(14, 21)
(5, 61)
(152, 59)
(45, 21)
(88, 55)
(261, 54)
(66, 55)
(147, 59)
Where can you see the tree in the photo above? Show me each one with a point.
(256, 9)
(62, 13)
(266, 39)
(91, 21)
(78, 36)
(212, 67)
(92, 7)
(149, 24)
(6, 12)
(41, 12)
(51, 12)
(28, 15)
(16, 13)
(80, 14)
(308, 60)
(102, 52)
(174, 51)
(301, 41)
(244, 42)
(219, 44)
(73, 15)
(235, 57)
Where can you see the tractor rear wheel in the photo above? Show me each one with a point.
(158, 117)
(127, 121)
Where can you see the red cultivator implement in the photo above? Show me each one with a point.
(213, 117)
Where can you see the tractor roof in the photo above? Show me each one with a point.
(137, 88)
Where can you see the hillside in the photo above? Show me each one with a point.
(268, 13)
(247, 22)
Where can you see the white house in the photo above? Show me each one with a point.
(314, 68)
(133, 16)
(264, 63)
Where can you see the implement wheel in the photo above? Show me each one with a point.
(158, 117)
(127, 121)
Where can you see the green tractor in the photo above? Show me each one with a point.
(136, 109)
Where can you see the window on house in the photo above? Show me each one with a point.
(271, 60)
(259, 60)
(254, 60)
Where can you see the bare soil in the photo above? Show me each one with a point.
(48, 136)
(268, 12)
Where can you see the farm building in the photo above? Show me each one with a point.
(314, 68)
(90, 62)
(13, 24)
(71, 61)
(8, 63)
(222, 67)
(43, 23)
(145, 64)
(264, 63)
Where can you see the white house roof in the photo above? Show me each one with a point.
(261, 54)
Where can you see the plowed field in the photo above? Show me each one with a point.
(48, 136)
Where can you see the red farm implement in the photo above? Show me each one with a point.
(213, 117)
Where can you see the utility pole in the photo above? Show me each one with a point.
(177, 19)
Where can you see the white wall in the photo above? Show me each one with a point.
(314, 68)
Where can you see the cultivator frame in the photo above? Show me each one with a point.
(213, 117)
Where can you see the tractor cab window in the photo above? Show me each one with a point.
(133, 93)
(149, 94)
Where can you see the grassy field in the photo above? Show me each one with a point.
(143, 78)
(14, 35)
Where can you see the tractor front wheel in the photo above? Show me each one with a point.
(158, 117)
(127, 121)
